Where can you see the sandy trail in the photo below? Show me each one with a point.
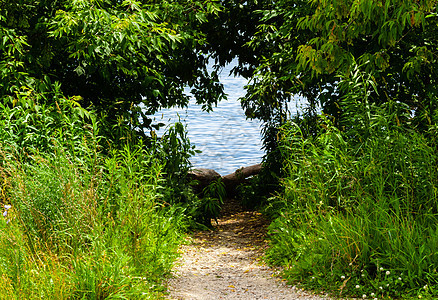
(226, 263)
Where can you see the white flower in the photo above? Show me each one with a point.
(364, 296)
(342, 277)
(5, 213)
(380, 287)
(7, 207)
(387, 272)
(357, 286)
(372, 294)
(399, 278)
(381, 269)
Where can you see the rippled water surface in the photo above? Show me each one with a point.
(227, 140)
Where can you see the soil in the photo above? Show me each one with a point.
(226, 263)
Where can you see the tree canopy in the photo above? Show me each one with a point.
(308, 47)
(122, 58)
(127, 59)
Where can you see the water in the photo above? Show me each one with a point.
(227, 140)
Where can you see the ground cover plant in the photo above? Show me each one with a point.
(94, 201)
(80, 222)
(359, 211)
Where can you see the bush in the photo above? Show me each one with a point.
(80, 220)
(359, 212)
(101, 228)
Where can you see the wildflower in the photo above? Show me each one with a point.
(380, 287)
(364, 296)
(387, 272)
(7, 207)
(381, 269)
(342, 277)
(357, 286)
(399, 278)
(372, 294)
(425, 287)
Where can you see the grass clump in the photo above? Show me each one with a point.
(88, 232)
(359, 211)
(81, 220)
(363, 216)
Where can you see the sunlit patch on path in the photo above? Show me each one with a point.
(226, 263)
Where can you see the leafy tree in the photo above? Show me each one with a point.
(306, 46)
(126, 59)
(228, 32)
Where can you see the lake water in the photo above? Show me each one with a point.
(226, 138)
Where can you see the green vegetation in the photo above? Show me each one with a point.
(359, 211)
(80, 222)
(355, 210)
(126, 59)
(95, 204)
(351, 210)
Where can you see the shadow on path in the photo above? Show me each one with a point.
(226, 263)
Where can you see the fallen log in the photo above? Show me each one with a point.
(231, 181)
(203, 177)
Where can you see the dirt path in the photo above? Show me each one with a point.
(226, 263)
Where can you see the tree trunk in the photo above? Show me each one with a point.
(231, 181)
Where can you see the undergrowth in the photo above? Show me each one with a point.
(359, 212)
(84, 217)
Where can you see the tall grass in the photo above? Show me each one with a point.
(94, 231)
(80, 222)
(359, 215)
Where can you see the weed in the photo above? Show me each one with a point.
(81, 221)
(359, 211)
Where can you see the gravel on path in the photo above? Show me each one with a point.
(226, 263)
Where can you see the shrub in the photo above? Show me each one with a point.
(359, 212)
(81, 221)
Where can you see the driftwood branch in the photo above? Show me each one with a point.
(231, 181)
(240, 176)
